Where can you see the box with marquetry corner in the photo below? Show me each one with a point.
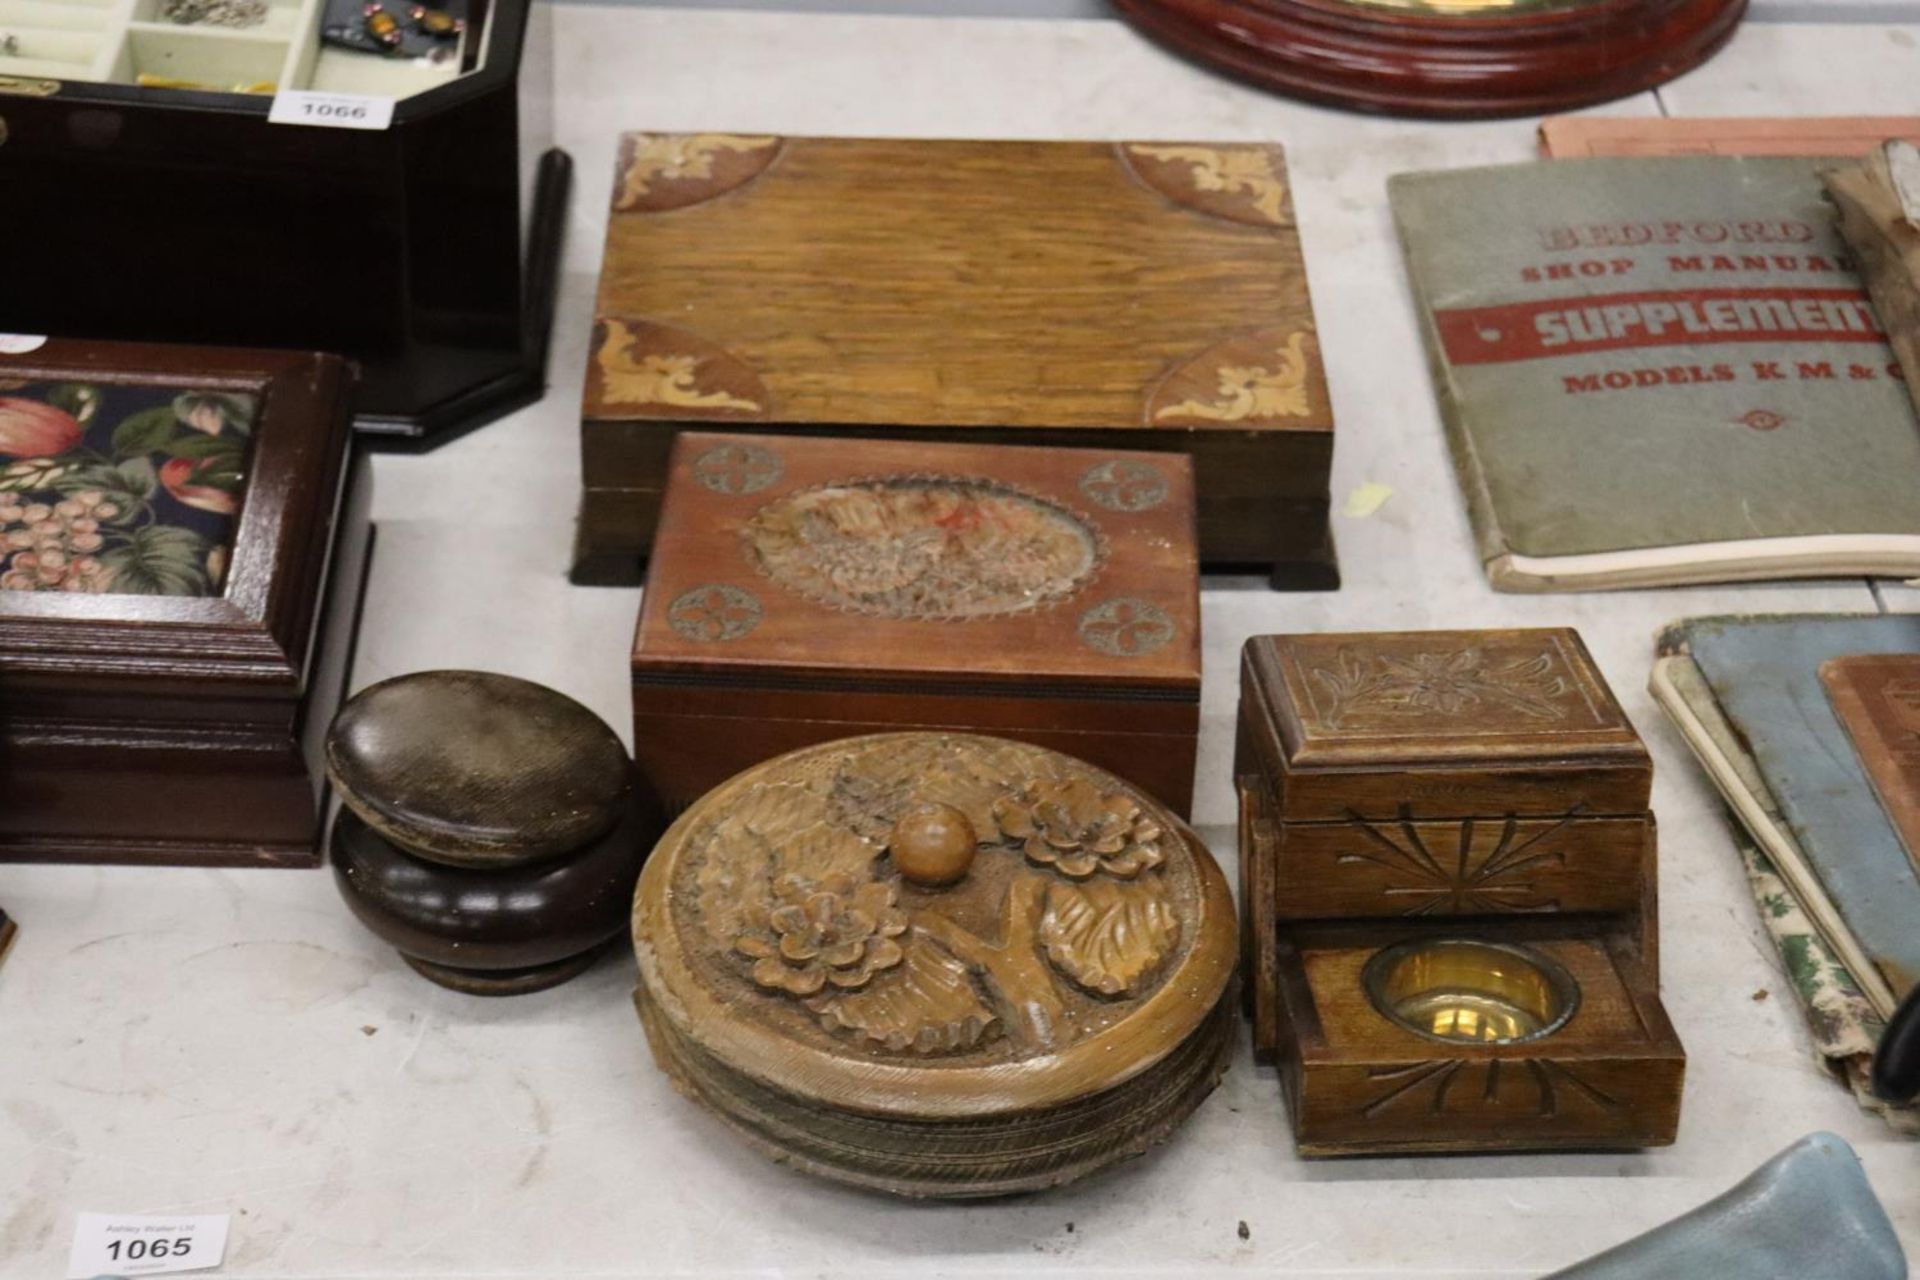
(809, 589)
(1448, 894)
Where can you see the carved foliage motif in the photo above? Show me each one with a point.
(1487, 867)
(1123, 484)
(660, 171)
(1242, 184)
(714, 612)
(1126, 628)
(1441, 684)
(923, 547)
(798, 899)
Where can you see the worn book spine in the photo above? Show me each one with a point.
(1884, 235)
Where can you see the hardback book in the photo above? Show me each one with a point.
(1879, 202)
(181, 544)
(1131, 295)
(1570, 137)
(804, 589)
(1747, 695)
(1660, 371)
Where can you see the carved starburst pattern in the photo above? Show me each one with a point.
(1459, 1084)
(1486, 868)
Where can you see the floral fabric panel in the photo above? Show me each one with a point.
(128, 490)
(1844, 1026)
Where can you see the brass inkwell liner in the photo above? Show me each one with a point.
(1468, 990)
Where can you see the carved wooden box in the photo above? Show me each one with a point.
(1107, 295)
(1448, 890)
(806, 589)
(178, 587)
(936, 964)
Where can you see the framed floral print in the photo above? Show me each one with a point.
(171, 524)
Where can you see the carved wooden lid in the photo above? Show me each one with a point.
(475, 769)
(932, 932)
(869, 561)
(1340, 708)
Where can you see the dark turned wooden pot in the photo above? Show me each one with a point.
(1425, 64)
(493, 828)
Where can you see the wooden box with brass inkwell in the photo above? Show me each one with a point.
(1448, 894)
(937, 964)
(810, 589)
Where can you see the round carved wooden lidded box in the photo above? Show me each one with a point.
(937, 964)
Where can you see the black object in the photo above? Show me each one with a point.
(184, 216)
(1896, 1062)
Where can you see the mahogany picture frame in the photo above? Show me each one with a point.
(167, 729)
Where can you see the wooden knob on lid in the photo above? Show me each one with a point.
(933, 845)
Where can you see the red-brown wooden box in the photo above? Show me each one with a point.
(804, 589)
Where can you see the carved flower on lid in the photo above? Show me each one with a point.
(828, 933)
(1075, 828)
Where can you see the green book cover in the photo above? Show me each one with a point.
(1659, 371)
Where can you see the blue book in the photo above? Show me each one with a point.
(1746, 694)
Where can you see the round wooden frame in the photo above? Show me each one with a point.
(1424, 64)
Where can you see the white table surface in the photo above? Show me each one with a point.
(231, 1041)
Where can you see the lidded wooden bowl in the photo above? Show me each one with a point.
(492, 828)
(936, 964)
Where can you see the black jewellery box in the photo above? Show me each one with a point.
(145, 194)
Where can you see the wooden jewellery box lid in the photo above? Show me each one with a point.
(870, 564)
(1437, 724)
(167, 515)
(937, 964)
(843, 283)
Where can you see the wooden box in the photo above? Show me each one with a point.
(1408, 789)
(179, 579)
(1107, 295)
(809, 589)
(425, 251)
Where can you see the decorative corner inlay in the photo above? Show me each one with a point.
(1245, 184)
(737, 468)
(940, 548)
(667, 372)
(1124, 484)
(1126, 628)
(1252, 378)
(661, 171)
(714, 612)
(1440, 683)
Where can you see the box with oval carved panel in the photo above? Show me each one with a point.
(1448, 894)
(804, 589)
(1135, 295)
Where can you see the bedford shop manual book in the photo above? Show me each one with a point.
(1658, 371)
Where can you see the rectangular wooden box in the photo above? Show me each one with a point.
(1485, 785)
(179, 585)
(1104, 295)
(809, 589)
